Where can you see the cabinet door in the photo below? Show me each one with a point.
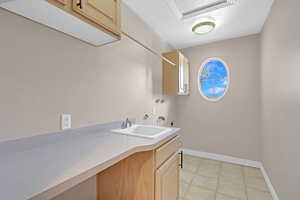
(186, 76)
(103, 12)
(167, 180)
(183, 83)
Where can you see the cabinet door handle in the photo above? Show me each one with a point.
(181, 159)
(79, 4)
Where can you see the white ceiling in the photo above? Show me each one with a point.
(245, 17)
(186, 5)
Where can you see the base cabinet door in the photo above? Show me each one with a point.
(103, 12)
(167, 180)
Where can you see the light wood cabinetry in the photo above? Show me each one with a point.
(130, 179)
(167, 150)
(167, 180)
(64, 2)
(105, 12)
(150, 175)
(96, 22)
(176, 78)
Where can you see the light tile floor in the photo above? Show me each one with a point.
(203, 179)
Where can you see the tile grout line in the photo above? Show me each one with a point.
(244, 181)
(190, 183)
(245, 184)
(218, 180)
(237, 161)
(227, 195)
(188, 187)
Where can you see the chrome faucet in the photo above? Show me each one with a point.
(161, 118)
(126, 124)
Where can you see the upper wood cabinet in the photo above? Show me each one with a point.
(176, 78)
(96, 22)
(105, 12)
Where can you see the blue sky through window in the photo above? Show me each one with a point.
(214, 79)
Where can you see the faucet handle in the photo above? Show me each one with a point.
(146, 116)
(127, 123)
(123, 125)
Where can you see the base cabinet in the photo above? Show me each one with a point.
(129, 179)
(167, 180)
(150, 175)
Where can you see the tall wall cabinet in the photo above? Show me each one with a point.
(176, 78)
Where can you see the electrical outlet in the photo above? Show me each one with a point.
(65, 121)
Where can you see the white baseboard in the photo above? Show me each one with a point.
(234, 160)
(268, 181)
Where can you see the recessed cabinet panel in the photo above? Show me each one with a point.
(104, 12)
(167, 180)
(167, 150)
(107, 7)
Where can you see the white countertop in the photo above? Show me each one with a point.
(41, 167)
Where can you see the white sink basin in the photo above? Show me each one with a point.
(144, 131)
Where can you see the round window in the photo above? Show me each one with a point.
(213, 79)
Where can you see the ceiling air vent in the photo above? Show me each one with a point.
(186, 9)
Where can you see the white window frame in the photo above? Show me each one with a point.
(200, 72)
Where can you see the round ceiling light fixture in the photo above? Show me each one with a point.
(204, 27)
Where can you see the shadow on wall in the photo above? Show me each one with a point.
(94, 85)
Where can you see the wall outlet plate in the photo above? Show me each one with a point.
(66, 122)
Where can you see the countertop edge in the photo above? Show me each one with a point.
(54, 191)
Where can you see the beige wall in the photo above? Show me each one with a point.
(231, 126)
(44, 73)
(281, 97)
